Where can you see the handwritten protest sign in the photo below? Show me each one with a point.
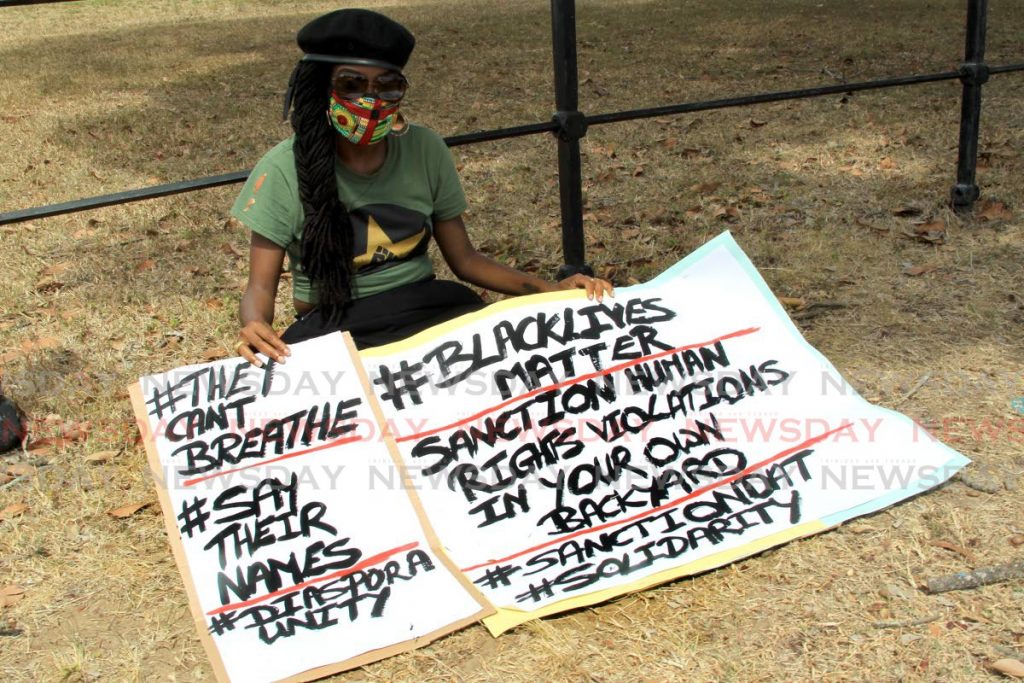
(539, 455)
(296, 566)
(568, 450)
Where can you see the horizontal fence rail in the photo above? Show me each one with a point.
(168, 189)
(15, 3)
(570, 125)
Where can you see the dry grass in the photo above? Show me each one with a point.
(99, 96)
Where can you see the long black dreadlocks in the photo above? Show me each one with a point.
(326, 230)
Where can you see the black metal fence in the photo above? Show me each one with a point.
(570, 125)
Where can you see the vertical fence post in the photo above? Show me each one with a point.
(572, 126)
(973, 73)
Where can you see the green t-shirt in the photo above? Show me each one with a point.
(392, 210)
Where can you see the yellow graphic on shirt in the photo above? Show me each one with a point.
(380, 248)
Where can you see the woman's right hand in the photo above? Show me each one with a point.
(259, 337)
(256, 310)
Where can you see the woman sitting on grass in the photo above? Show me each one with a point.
(354, 197)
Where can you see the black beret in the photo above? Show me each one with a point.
(356, 36)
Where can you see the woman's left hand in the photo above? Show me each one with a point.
(595, 286)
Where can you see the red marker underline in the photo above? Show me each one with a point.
(576, 380)
(699, 492)
(321, 447)
(368, 562)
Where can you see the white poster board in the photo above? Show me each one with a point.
(302, 552)
(569, 450)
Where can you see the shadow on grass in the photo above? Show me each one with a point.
(211, 91)
(204, 97)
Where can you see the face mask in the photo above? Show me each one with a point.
(365, 121)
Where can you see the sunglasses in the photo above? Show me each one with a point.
(389, 86)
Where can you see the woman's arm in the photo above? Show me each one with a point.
(256, 312)
(472, 266)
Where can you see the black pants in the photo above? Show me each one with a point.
(389, 316)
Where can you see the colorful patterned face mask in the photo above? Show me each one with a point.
(365, 121)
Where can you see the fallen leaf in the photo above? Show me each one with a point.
(76, 431)
(100, 457)
(1012, 668)
(145, 264)
(907, 211)
(13, 510)
(55, 269)
(669, 143)
(932, 231)
(694, 211)
(48, 286)
(96, 174)
(705, 188)
(792, 302)
(47, 443)
(935, 629)
(728, 213)
(991, 210)
(11, 594)
(688, 152)
(213, 303)
(914, 271)
(215, 353)
(39, 344)
(230, 249)
(930, 226)
(757, 123)
(1017, 540)
(128, 510)
(868, 224)
(886, 163)
(959, 550)
(20, 469)
(184, 245)
(638, 171)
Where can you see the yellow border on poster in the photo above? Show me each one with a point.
(463, 320)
